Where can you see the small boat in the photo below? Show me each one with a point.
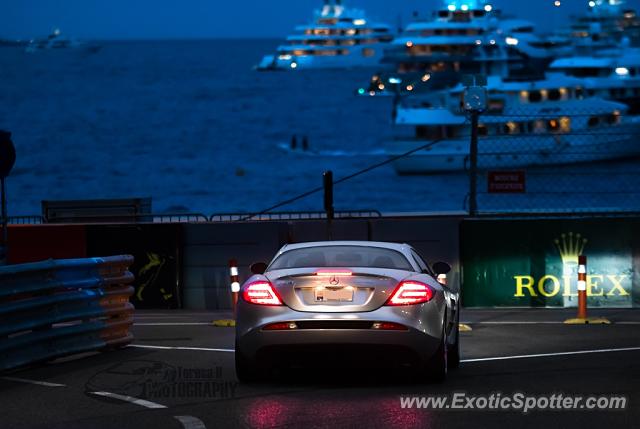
(11, 43)
(56, 40)
(534, 123)
(338, 37)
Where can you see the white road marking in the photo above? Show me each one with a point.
(580, 352)
(190, 422)
(131, 399)
(546, 322)
(39, 383)
(173, 324)
(201, 349)
(504, 322)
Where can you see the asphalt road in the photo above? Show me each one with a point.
(179, 373)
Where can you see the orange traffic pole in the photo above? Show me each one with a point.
(235, 284)
(582, 287)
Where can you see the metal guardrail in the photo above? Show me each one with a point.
(194, 217)
(25, 220)
(57, 308)
(238, 217)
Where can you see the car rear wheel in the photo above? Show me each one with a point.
(245, 372)
(437, 367)
(453, 355)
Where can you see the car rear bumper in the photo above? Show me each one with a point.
(343, 335)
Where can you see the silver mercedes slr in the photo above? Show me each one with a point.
(347, 302)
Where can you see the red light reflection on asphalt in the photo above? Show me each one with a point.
(308, 410)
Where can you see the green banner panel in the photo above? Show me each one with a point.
(533, 263)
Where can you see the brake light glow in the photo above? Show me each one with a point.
(410, 293)
(261, 293)
(333, 273)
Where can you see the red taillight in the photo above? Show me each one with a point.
(411, 292)
(280, 326)
(261, 293)
(389, 326)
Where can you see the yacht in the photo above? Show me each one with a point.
(604, 26)
(462, 37)
(4, 43)
(527, 123)
(338, 37)
(613, 75)
(56, 41)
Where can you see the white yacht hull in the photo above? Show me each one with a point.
(354, 59)
(521, 151)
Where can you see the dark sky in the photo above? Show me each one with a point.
(149, 19)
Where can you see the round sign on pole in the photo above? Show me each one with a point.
(7, 154)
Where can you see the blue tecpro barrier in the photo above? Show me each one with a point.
(57, 308)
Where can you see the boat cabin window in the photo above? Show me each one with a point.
(554, 95)
(368, 52)
(511, 128)
(461, 16)
(594, 121)
(535, 96)
(479, 13)
(483, 130)
(613, 119)
(424, 132)
(496, 105)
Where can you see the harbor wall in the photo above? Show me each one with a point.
(499, 262)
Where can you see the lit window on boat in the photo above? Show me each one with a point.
(554, 125)
(511, 128)
(614, 118)
(565, 124)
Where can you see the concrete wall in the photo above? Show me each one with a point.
(207, 249)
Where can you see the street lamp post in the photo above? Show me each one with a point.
(475, 102)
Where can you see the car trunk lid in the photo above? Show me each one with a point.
(337, 290)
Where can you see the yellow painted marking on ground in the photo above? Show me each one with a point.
(224, 323)
(588, 321)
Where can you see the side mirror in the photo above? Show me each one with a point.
(441, 268)
(258, 268)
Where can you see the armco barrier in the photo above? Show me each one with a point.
(57, 308)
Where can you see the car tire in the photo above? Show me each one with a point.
(245, 372)
(453, 354)
(437, 367)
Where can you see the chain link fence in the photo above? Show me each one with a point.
(559, 162)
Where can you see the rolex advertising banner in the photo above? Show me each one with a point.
(534, 263)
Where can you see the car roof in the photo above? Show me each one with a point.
(400, 247)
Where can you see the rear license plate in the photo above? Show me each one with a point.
(343, 294)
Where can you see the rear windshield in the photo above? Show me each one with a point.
(341, 256)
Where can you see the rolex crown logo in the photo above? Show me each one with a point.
(570, 247)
